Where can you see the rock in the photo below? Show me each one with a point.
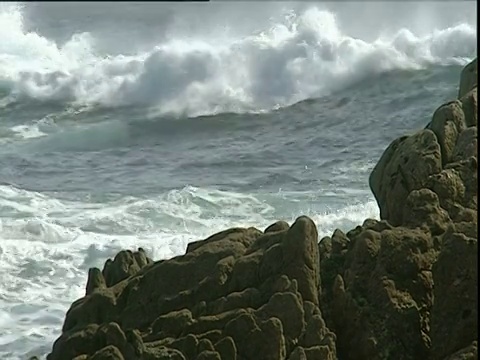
(298, 354)
(380, 296)
(124, 265)
(278, 226)
(405, 166)
(403, 287)
(241, 293)
(226, 348)
(301, 257)
(108, 353)
(448, 121)
(466, 145)
(422, 210)
(209, 355)
(469, 106)
(468, 353)
(103, 341)
(468, 78)
(95, 281)
(455, 311)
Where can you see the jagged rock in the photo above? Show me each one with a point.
(124, 265)
(93, 338)
(380, 296)
(240, 293)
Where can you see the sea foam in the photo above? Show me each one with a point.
(305, 54)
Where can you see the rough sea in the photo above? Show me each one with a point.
(152, 125)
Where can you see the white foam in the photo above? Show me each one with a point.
(28, 131)
(47, 245)
(304, 54)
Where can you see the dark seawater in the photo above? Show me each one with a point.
(153, 125)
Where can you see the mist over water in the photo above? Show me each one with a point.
(155, 124)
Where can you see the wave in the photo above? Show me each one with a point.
(303, 55)
(47, 243)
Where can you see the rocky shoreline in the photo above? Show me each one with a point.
(404, 287)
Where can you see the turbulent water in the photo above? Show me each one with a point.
(155, 124)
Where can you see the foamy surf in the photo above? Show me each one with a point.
(90, 164)
(302, 55)
(47, 244)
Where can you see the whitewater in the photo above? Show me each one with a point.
(153, 125)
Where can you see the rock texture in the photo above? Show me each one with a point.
(402, 287)
(240, 294)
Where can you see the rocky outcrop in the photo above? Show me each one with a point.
(240, 294)
(405, 287)
(402, 287)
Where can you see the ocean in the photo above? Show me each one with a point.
(155, 124)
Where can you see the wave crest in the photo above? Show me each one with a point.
(303, 56)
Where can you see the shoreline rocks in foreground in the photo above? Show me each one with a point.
(404, 287)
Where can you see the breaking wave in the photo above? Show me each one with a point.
(305, 54)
